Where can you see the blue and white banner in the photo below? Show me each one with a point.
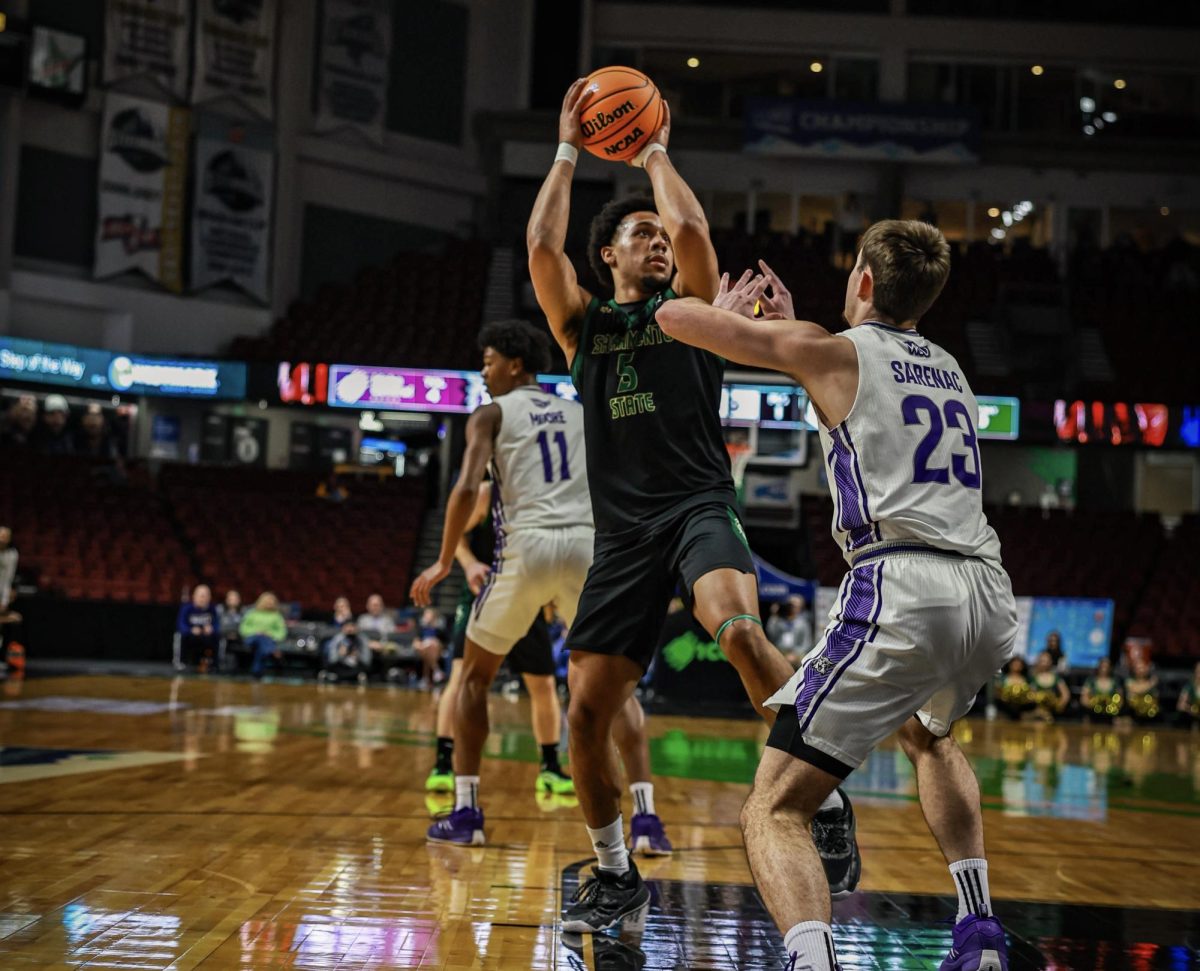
(93, 369)
(853, 130)
(774, 584)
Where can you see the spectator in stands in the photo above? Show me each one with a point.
(347, 655)
(263, 629)
(1141, 690)
(229, 618)
(790, 628)
(332, 489)
(8, 568)
(377, 625)
(1188, 706)
(1048, 689)
(1058, 659)
(1014, 694)
(342, 611)
(19, 421)
(198, 629)
(51, 437)
(1103, 696)
(430, 642)
(93, 438)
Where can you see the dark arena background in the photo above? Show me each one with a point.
(246, 247)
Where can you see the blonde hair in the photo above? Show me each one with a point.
(265, 598)
(909, 262)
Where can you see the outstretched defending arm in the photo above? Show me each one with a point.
(558, 292)
(826, 365)
(481, 436)
(683, 218)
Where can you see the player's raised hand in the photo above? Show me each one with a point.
(477, 575)
(740, 297)
(777, 306)
(663, 135)
(421, 591)
(568, 119)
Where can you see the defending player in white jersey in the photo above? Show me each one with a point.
(542, 515)
(926, 614)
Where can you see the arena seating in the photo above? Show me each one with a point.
(259, 530)
(1169, 610)
(83, 535)
(420, 310)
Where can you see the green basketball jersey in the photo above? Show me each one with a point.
(651, 421)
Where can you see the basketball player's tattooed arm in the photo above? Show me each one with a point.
(826, 365)
(683, 218)
(475, 569)
(558, 292)
(481, 436)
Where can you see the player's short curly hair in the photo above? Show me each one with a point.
(518, 338)
(604, 227)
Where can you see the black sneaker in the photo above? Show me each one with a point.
(833, 835)
(603, 900)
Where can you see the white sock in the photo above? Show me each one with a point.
(609, 844)
(812, 943)
(643, 797)
(833, 802)
(466, 792)
(971, 881)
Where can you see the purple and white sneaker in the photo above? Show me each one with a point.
(647, 836)
(463, 827)
(979, 945)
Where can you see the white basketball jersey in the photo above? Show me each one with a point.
(904, 465)
(539, 465)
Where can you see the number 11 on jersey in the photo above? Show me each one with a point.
(560, 439)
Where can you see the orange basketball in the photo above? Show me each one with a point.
(622, 109)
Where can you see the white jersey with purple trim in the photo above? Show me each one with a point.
(904, 466)
(539, 466)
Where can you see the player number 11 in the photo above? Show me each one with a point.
(560, 439)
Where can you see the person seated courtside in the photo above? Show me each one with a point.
(263, 630)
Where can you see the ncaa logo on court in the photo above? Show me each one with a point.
(822, 665)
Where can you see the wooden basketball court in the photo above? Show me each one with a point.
(183, 823)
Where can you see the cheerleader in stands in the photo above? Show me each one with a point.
(1103, 695)
(1141, 690)
(1188, 708)
(1013, 692)
(1048, 689)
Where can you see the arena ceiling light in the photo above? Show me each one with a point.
(1037, 70)
(998, 233)
(1109, 117)
(994, 212)
(1164, 210)
(693, 62)
(1119, 84)
(816, 67)
(1087, 105)
(1089, 129)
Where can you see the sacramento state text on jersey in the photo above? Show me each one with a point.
(651, 415)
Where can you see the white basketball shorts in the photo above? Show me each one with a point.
(910, 633)
(534, 567)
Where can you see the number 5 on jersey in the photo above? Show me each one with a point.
(560, 439)
(629, 375)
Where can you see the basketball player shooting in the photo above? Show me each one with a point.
(924, 617)
(662, 493)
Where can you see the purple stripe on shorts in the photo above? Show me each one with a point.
(844, 642)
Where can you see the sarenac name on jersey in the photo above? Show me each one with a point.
(905, 372)
(537, 418)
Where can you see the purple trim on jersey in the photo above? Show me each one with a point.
(849, 518)
(894, 329)
(498, 549)
(844, 642)
(910, 548)
(875, 534)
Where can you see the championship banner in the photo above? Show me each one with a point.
(235, 52)
(231, 214)
(352, 68)
(852, 130)
(143, 182)
(148, 37)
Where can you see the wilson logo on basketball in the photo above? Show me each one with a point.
(602, 119)
(624, 142)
